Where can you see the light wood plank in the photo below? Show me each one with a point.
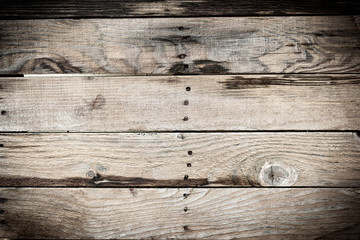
(25, 9)
(307, 44)
(180, 159)
(149, 103)
(160, 213)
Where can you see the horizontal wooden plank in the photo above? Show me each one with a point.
(168, 103)
(307, 44)
(180, 159)
(25, 9)
(169, 214)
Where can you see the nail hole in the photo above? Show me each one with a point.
(182, 56)
(181, 28)
(188, 89)
(188, 164)
(2, 211)
(186, 102)
(186, 177)
(190, 152)
(186, 37)
(186, 66)
(186, 209)
(3, 112)
(2, 222)
(186, 195)
(186, 228)
(1, 145)
(185, 118)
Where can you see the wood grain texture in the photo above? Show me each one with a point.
(180, 159)
(307, 44)
(25, 9)
(166, 213)
(169, 103)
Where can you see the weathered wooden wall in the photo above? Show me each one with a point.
(180, 119)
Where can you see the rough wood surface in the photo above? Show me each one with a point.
(168, 103)
(180, 159)
(132, 213)
(307, 44)
(25, 9)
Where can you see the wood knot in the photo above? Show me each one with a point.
(277, 174)
(97, 103)
(91, 174)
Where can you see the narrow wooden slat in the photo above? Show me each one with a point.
(25, 9)
(168, 103)
(168, 213)
(180, 159)
(326, 44)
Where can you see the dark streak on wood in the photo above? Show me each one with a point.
(23, 9)
(351, 232)
(235, 180)
(23, 225)
(113, 181)
(239, 82)
(51, 65)
(198, 66)
(109, 180)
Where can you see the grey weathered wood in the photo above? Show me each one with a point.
(155, 103)
(165, 159)
(25, 9)
(306, 44)
(168, 213)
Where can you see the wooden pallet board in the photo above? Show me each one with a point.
(163, 46)
(170, 103)
(168, 214)
(25, 9)
(180, 119)
(180, 159)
